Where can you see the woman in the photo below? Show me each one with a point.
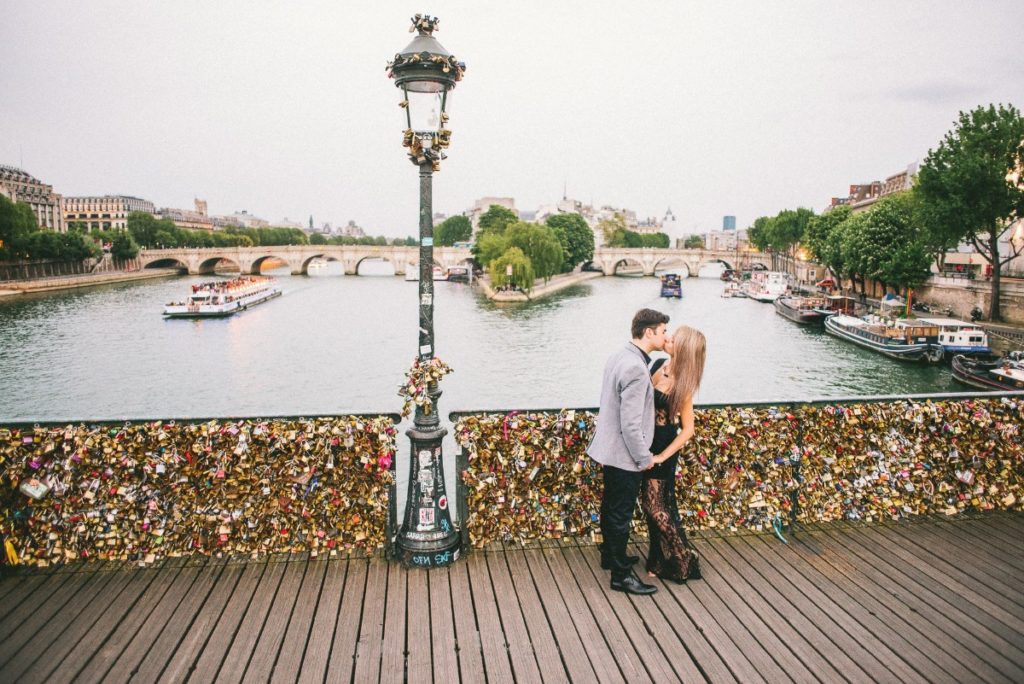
(675, 382)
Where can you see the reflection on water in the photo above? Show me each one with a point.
(343, 343)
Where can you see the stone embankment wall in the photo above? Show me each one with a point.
(963, 295)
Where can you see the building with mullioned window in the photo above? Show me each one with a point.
(19, 186)
(107, 212)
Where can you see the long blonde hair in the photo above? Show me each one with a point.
(689, 348)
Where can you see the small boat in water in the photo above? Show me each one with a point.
(767, 286)
(959, 337)
(671, 286)
(733, 289)
(802, 310)
(460, 274)
(1006, 373)
(218, 299)
(905, 343)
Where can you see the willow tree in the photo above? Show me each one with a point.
(971, 185)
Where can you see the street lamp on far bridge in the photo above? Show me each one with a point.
(425, 73)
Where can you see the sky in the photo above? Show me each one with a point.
(283, 109)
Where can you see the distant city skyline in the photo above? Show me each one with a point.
(740, 110)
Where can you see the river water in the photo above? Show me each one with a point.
(339, 344)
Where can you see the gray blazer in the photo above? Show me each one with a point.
(625, 423)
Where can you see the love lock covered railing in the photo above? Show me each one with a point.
(524, 475)
(143, 491)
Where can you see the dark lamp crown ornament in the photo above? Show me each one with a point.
(425, 65)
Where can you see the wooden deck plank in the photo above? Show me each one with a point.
(699, 634)
(268, 647)
(598, 650)
(872, 610)
(371, 628)
(727, 563)
(217, 647)
(666, 658)
(946, 583)
(144, 589)
(64, 641)
(395, 649)
(31, 590)
(632, 653)
(467, 633)
(341, 661)
(981, 533)
(891, 604)
(844, 610)
(181, 664)
(419, 637)
(297, 634)
(731, 636)
(131, 653)
(321, 634)
(985, 578)
(475, 580)
(907, 587)
(574, 655)
(442, 626)
(30, 644)
(552, 665)
(980, 561)
(236, 661)
(520, 650)
(177, 626)
(37, 607)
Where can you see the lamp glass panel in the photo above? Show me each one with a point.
(425, 110)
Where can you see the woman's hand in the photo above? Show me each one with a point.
(661, 458)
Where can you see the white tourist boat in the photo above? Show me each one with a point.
(221, 298)
(958, 337)
(766, 286)
(906, 343)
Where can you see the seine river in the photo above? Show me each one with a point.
(338, 344)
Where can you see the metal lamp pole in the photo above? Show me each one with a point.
(425, 72)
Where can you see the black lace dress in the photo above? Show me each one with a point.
(670, 555)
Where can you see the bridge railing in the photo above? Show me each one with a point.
(524, 475)
(145, 490)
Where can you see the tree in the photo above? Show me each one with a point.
(496, 219)
(823, 240)
(512, 268)
(886, 243)
(124, 247)
(576, 238)
(613, 230)
(694, 242)
(758, 233)
(488, 247)
(539, 244)
(972, 187)
(17, 222)
(453, 229)
(317, 239)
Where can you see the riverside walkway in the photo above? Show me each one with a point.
(931, 600)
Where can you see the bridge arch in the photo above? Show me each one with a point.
(674, 263)
(387, 258)
(169, 262)
(256, 265)
(627, 262)
(208, 266)
(327, 258)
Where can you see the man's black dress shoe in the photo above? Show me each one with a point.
(631, 584)
(606, 564)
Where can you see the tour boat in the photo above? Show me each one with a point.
(733, 289)
(906, 343)
(1006, 373)
(959, 337)
(671, 286)
(803, 310)
(218, 299)
(833, 304)
(767, 286)
(460, 274)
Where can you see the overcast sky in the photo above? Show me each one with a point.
(283, 109)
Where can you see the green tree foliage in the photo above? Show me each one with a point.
(453, 229)
(539, 244)
(758, 233)
(886, 243)
(124, 246)
(614, 231)
(823, 238)
(971, 186)
(576, 238)
(488, 247)
(512, 268)
(317, 239)
(17, 222)
(694, 242)
(496, 219)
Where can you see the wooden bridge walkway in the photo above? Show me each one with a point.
(937, 600)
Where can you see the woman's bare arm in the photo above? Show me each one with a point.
(684, 435)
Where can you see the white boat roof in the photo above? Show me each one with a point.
(851, 321)
(948, 322)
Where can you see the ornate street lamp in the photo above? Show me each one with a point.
(425, 73)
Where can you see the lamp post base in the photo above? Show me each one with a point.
(427, 538)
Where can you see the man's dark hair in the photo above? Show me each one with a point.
(646, 318)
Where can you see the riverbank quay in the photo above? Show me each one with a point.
(19, 287)
(557, 283)
(934, 600)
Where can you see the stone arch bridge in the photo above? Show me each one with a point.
(203, 260)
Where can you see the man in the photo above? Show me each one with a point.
(622, 443)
